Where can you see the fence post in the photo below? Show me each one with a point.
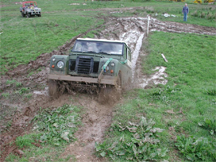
(148, 19)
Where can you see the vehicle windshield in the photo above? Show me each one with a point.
(113, 48)
(28, 4)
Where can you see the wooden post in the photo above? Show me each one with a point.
(148, 19)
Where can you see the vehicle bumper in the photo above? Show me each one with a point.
(111, 80)
(35, 13)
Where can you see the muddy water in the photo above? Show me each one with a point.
(135, 54)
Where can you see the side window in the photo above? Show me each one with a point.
(125, 52)
(128, 54)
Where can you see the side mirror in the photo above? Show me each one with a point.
(124, 62)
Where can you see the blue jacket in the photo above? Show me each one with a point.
(185, 10)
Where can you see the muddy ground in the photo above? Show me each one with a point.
(17, 111)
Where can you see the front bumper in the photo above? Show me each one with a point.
(110, 80)
(35, 13)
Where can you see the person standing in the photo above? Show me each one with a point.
(185, 11)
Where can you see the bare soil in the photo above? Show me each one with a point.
(17, 111)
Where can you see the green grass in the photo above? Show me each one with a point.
(191, 71)
(46, 153)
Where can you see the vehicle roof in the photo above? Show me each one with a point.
(101, 40)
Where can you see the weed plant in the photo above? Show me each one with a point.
(51, 128)
(58, 125)
(134, 142)
(196, 149)
(13, 83)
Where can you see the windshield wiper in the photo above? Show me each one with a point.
(103, 52)
(91, 52)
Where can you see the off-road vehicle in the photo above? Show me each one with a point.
(29, 8)
(92, 65)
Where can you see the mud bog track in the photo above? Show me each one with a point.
(97, 117)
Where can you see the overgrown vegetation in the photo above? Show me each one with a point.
(210, 125)
(196, 149)
(52, 128)
(58, 125)
(135, 142)
(207, 12)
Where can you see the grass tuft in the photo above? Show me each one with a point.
(134, 142)
(58, 125)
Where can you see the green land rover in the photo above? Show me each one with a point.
(92, 64)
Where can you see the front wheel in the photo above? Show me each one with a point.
(119, 83)
(39, 15)
(53, 89)
(28, 15)
(23, 15)
(118, 87)
(111, 94)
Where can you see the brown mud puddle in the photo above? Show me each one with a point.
(97, 117)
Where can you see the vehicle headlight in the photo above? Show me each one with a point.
(53, 59)
(60, 64)
(107, 68)
(112, 64)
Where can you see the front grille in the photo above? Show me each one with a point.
(72, 64)
(84, 64)
(96, 66)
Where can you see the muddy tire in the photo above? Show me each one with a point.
(118, 87)
(39, 15)
(28, 15)
(119, 82)
(23, 15)
(106, 95)
(53, 89)
(128, 85)
(111, 94)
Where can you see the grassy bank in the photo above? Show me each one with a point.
(186, 106)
